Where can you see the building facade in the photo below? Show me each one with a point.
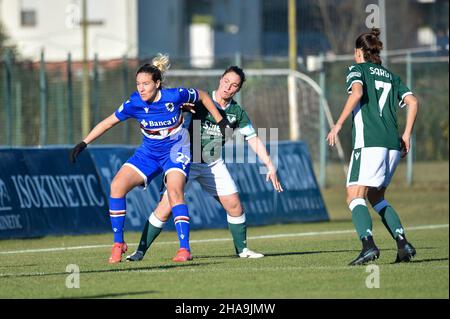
(200, 31)
(54, 26)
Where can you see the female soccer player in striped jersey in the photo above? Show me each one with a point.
(165, 147)
(374, 95)
(211, 172)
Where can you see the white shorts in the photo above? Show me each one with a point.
(372, 166)
(214, 178)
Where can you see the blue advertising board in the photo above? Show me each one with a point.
(41, 193)
(301, 200)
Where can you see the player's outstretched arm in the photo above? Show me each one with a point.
(349, 106)
(209, 104)
(96, 132)
(260, 149)
(188, 107)
(413, 107)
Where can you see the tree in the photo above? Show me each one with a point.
(3, 39)
(342, 20)
(4, 43)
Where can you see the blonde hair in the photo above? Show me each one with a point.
(161, 62)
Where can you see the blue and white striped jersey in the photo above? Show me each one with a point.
(160, 115)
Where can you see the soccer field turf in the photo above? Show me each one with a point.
(302, 260)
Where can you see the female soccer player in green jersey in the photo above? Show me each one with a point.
(211, 172)
(374, 95)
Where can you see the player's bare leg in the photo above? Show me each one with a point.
(124, 181)
(152, 228)
(163, 210)
(391, 220)
(356, 200)
(175, 181)
(237, 224)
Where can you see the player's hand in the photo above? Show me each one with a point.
(188, 107)
(272, 176)
(77, 150)
(223, 124)
(405, 145)
(332, 136)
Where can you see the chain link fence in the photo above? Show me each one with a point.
(41, 102)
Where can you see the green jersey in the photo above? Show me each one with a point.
(375, 118)
(210, 136)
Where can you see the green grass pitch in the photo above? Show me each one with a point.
(302, 260)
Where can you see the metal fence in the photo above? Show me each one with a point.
(427, 77)
(41, 103)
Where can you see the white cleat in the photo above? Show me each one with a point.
(247, 253)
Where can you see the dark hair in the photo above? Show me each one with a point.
(236, 70)
(371, 45)
(160, 63)
(150, 69)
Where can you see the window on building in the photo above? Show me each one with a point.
(28, 13)
(28, 18)
(95, 9)
(96, 13)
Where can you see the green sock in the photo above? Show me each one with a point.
(390, 218)
(238, 229)
(361, 217)
(149, 234)
(383, 220)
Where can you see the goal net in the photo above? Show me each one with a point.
(265, 97)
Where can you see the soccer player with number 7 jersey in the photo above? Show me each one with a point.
(375, 93)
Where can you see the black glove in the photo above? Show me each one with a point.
(223, 124)
(77, 150)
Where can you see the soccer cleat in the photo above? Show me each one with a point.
(136, 256)
(406, 253)
(182, 255)
(116, 254)
(366, 255)
(247, 253)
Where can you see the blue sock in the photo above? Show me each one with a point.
(181, 219)
(117, 211)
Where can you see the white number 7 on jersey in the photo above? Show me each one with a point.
(386, 88)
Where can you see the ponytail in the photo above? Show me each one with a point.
(160, 64)
(371, 45)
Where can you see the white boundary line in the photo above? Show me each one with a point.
(321, 233)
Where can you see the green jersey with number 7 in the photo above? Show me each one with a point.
(375, 118)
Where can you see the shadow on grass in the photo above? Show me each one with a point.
(15, 266)
(311, 252)
(286, 253)
(382, 249)
(113, 295)
(134, 269)
(428, 260)
(214, 256)
(292, 253)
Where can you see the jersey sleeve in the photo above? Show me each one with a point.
(245, 126)
(403, 91)
(123, 112)
(354, 75)
(188, 95)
